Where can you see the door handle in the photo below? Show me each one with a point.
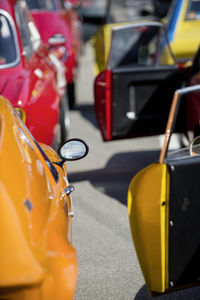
(69, 189)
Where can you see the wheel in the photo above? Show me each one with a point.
(71, 94)
(63, 124)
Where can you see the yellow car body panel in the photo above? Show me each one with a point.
(186, 39)
(36, 256)
(147, 223)
(101, 43)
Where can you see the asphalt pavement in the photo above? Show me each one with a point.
(107, 262)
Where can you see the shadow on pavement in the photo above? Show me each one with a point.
(87, 111)
(187, 294)
(114, 179)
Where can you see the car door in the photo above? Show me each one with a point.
(164, 207)
(129, 98)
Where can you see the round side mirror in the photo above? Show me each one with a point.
(73, 149)
(57, 40)
(195, 146)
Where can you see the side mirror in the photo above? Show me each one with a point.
(72, 149)
(57, 40)
(195, 146)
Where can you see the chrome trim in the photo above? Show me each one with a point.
(188, 89)
(12, 24)
(69, 190)
(137, 24)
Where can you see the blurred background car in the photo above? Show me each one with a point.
(129, 98)
(119, 13)
(28, 77)
(100, 12)
(183, 28)
(55, 17)
(36, 214)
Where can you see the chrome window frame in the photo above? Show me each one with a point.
(134, 25)
(12, 24)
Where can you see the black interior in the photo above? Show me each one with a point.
(184, 217)
(148, 91)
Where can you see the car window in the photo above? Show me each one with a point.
(41, 4)
(193, 10)
(30, 37)
(93, 8)
(8, 42)
(139, 46)
(128, 10)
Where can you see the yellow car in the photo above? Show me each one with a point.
(164, 208)
(183, 28)
(37, 258)
(118, 13)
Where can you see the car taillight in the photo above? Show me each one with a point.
(103, 103)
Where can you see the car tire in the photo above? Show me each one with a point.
(71, 94)
(63, 124)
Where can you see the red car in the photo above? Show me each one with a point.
(66, 22)
(193, 99)
(27, 74)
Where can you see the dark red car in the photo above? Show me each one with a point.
(27, 74)
(55, 17)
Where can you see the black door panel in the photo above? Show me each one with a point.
(142, 99)
(184, 222)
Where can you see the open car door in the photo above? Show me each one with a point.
(164, 209)
(129, 98)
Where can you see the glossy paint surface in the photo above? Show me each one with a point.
(148, 217)
(36, 256)
(183, 33)
(102, 43)
(31, 85)
(67, 23)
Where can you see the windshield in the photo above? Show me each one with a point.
(193, 11)
(8, 48)
(128, 10)
(41, 4)
(93, 8)
(30, 37)
(146, 45)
